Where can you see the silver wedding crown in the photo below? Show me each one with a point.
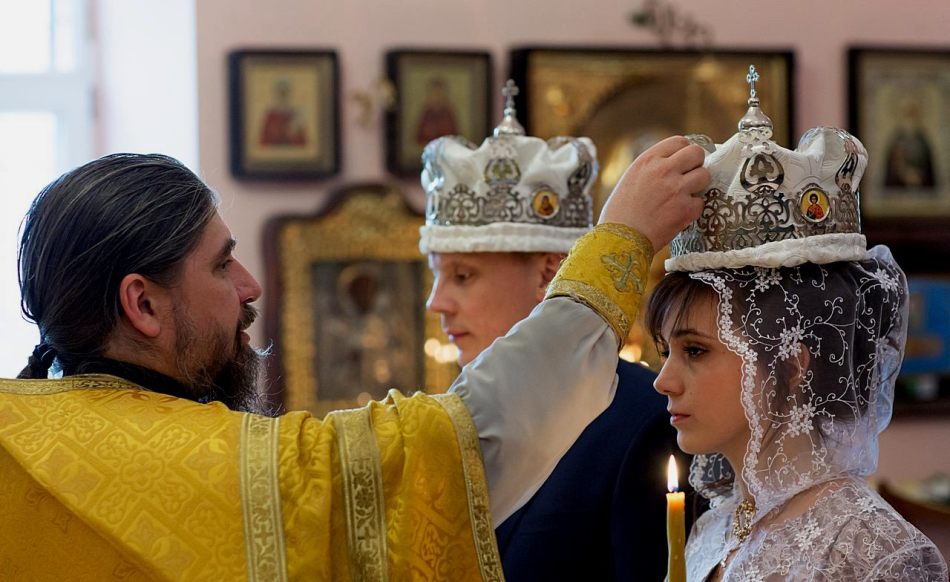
(512, 193)
(770, 206)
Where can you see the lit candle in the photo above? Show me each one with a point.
(675, 526)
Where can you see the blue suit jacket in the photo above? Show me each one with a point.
(601, 515)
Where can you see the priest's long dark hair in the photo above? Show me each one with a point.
(89, 228)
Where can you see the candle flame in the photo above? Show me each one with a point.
(672, 477)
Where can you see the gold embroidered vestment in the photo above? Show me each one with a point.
(100, 479)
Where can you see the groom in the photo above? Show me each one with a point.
(599, 514)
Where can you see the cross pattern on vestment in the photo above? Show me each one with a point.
(621, 269)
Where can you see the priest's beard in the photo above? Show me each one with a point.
(218, 366)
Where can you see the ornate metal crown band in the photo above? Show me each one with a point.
(762, 193)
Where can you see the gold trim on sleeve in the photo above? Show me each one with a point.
(483, 533)
(362, 495)
(596, 300)
(260, 499)
(625, 232)
(606, 270)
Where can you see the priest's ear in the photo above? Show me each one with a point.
(144, 304)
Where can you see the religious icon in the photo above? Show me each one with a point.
(899, 111)
(909, 161)
(284, 114)
(814, 205)
(545, 203)
(346, 303)
(437, 93)
(438, 116)
(372, 330)
(283, 123)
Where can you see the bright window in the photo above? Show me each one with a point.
(45, 129)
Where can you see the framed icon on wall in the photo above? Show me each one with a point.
(284, 114)
(436, 93)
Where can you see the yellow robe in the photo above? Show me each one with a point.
(101, 479)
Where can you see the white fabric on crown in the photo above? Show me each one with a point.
(451, 162)
(499, 237)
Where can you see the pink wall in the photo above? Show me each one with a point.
(362, 30)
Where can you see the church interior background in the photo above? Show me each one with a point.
(313, 146)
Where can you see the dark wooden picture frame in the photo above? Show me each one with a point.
(899, 107)
(284, 112)
(436, 93)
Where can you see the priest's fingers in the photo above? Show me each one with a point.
(688, 158)
(654, 195)
(673, 215)
(694, 206)
(668, 146)
(695, 181)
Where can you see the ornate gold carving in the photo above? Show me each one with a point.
(366, 226)
(362, 494)
(260, 499)
(476, 487)
(607, 270)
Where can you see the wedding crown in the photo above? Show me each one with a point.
(772, 207)
(513, 193)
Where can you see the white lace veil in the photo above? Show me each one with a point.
(821, 346)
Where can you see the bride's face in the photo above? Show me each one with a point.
(701, 378)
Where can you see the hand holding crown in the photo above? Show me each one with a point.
(656, 195)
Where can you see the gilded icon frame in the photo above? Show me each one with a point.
(365, 237)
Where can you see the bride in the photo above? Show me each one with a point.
(783, 338)
(780, 380)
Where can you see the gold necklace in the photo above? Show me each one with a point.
(742, 520)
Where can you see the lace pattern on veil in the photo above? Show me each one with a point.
(820, 347)
(849, 534)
